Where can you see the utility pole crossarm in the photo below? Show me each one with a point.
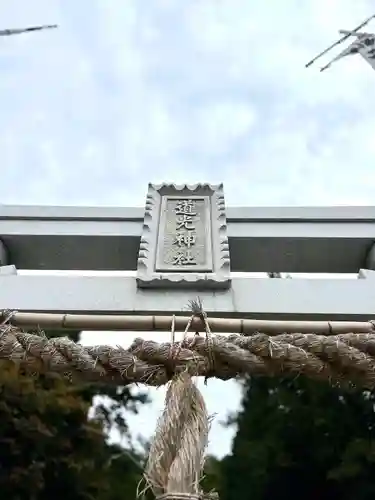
(363, 45)
(354, 33)
(9, 32)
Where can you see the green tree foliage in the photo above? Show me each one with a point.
(123, 473)
(212, 478)
(48, 446)
(299, 438)
(111, 401)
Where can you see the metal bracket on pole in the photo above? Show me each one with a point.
(358, 46)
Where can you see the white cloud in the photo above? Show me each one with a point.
(186, 91)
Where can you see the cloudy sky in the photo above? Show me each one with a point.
(132, 91)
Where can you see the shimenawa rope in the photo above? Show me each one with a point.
(338, 358)
(176, 457)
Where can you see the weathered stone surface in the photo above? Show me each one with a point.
(291, 239)
(184, 241)
(296, 299)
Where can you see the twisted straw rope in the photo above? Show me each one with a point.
(176, 457)
(340, 358)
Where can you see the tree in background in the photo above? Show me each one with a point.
(301, 439)
(48, 446)
(114, 401)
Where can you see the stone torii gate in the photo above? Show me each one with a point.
(186, 243)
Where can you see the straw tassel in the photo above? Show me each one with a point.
(176, 457)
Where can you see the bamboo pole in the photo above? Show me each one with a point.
(57, 321)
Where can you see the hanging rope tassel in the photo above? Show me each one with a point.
(176, 459)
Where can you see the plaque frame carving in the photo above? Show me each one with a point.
(216, 276)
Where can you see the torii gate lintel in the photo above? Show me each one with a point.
(186, 242)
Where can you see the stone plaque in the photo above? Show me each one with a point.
(184, 241)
